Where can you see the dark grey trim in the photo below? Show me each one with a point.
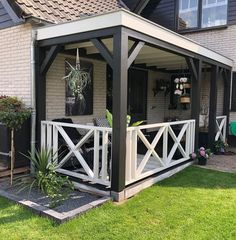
(134, 51)
(140, 6)
(15, 18)
(102, 48)
(120, 86)
(50, 57)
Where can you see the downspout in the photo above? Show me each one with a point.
(33, 95)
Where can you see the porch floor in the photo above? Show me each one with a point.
(223, 163)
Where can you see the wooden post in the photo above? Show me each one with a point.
(195, 67)
(119, 114)
(213, 106)
(227, 88)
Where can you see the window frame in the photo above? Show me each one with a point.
(199, 25)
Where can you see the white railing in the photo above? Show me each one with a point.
(221, 124)
(170, 144)
(99, 137)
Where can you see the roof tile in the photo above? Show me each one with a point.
(62, 10)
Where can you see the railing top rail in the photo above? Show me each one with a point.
(75, 125)
(221, 117)
(158, 125)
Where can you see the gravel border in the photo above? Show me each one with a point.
(59, 216)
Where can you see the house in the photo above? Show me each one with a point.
(210, 23)
(132, 65)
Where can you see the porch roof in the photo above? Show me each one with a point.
(134, 22)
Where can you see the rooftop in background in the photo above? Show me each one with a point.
(57, 11)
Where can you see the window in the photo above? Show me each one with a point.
(233, 100)
(188, 14)
(202, 13)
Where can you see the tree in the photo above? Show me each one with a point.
(13, 114)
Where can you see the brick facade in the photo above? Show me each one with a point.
(15, 62)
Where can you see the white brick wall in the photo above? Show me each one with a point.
(15, 62)
(55, 93)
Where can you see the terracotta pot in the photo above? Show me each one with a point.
(184, 99)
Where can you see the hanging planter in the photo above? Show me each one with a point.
(77, 80)
(185, 99)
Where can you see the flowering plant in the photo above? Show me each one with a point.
(220, 146)
(201, 153)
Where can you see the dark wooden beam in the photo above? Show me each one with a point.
(227, 88)
(104, 51)
(213, 106)
(119, 112)
(78, 37)
(169, 47)
(134, 51)
(192, 67)
(140, 6)
(195, 96)
(50, 57)
(40, 85)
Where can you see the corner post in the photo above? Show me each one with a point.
(120, 56)
(227, 88)
(195, 95)
(40, 84)
(213, 106)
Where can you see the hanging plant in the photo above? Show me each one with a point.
(78, 79)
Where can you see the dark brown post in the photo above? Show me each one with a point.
(213, 106)
(195, 67)
(227, 88)
(120, 56)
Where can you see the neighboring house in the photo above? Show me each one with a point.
(211, 23)
(135, 67)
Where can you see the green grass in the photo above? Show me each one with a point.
(194, 204)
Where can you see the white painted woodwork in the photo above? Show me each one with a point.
(131, 21)
(99, 173)
(221, 125)
(153, 162)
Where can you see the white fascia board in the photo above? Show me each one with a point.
(132, 21)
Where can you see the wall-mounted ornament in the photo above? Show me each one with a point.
(161, 86)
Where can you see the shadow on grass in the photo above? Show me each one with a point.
(196, 177)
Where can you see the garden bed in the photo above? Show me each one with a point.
(77, 203)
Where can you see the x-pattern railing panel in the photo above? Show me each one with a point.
(221, 123)
(99, 171)
(183, 142)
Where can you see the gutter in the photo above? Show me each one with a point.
(33, 94)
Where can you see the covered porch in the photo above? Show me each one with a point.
(123, 160)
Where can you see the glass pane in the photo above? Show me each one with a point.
(214, 13)
(188, 14)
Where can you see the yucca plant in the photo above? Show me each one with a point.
(45, 178)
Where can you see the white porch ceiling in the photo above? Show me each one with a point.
(131, 21)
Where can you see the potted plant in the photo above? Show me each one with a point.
(202, 155)
(13, 114)
(220, 147)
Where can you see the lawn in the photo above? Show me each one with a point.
(194, 204)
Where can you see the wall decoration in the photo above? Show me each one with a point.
(79, 87)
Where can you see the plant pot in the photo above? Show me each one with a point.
(202, 161)
(184, 99)
(187, 85)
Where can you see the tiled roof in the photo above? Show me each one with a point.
(66, 10)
